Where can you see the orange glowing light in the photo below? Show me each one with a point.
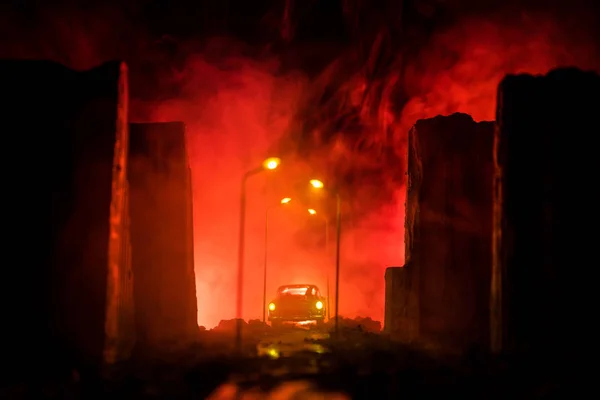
(271, 163)
(272, 306)
(317, 184)
(285, 200)
(311, 211)
(319, 305)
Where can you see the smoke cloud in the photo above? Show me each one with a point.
(461, 67)
(340, 126)
(236, 109)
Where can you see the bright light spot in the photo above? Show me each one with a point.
(273, 353)
(319, 305)
(272, 306)
(271, 163)
(316, 183)
(311, 211)
(285, 200)
(269, 351)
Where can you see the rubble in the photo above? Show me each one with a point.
(229, 326)
(448, 233)
(67, 301)
(362, 324)
(162, 235)
(546, 213)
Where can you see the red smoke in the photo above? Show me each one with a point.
(236, 109)
(460, 69)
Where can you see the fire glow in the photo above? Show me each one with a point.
(250, 109)
(238, 109)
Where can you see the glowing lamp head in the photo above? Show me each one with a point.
(317, 184)
(311, 211)
(272, 306)
(273, 353)
(271, 163)
(319, 305)
(285, 200)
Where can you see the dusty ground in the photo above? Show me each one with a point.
(306, 363)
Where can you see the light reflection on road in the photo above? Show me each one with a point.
(285, 391)
(289, 342)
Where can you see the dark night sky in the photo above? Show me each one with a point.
(131, 30)
(257, 21)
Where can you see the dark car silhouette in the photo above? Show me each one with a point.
(295, 303)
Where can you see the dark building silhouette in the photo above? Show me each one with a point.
(67, 298)
(546, 214)
(448, 233)
(162, 235)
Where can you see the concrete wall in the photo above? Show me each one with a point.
(65, 140)
(162, 235)
(449, 226)
(546, 213)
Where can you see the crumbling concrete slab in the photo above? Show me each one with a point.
(67, 292)
(449, 226)
(162, 235)
(546, 212)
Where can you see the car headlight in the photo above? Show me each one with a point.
(272, 306)
(319, 305)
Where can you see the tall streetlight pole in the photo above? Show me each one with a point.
(312, 211)
(317, 184)
(269, 164)
(285, 200)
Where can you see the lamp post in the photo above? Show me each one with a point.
(317, 184)
(312, 211)
(283, 201)
(269, 164)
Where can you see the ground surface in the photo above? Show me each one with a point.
(305, 363)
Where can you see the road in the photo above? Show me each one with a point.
(283, 362)
(294, 354)
(307, 363)
(292, 341)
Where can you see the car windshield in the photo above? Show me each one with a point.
(293, 291)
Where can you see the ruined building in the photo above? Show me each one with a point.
(441, 295)
(162, 235)
(67, 296)
(546, 214)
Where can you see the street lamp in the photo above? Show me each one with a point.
(283, 201)
(312, 211)
(317, 184)
(269, 164)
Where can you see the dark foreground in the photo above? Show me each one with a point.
(311, 364)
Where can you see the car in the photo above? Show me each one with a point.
(295, 303)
